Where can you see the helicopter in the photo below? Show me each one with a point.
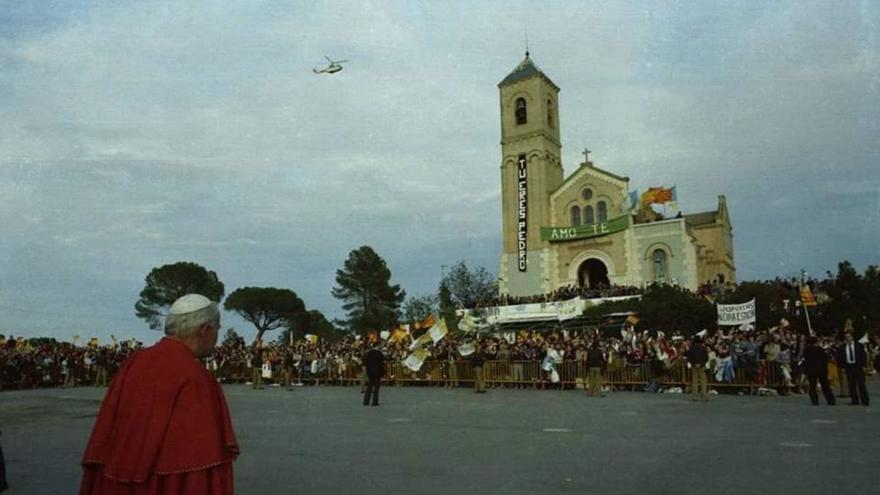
(334, 67)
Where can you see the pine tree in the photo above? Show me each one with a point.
(372, 304)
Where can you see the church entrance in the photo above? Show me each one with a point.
(593, 274)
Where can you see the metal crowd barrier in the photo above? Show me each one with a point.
(522, 374)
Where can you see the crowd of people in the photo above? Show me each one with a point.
(770, 358)
(560, 294)
(47, 363)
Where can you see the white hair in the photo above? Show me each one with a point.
(185, 324)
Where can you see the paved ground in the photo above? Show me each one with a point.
(429, 440)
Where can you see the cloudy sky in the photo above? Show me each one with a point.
(135, 134)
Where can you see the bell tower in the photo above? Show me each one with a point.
(531, 169)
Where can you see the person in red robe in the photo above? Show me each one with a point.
(164, 426)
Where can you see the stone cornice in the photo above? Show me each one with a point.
(590, 172)
(529, 135)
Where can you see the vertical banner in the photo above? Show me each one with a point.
(522, 224)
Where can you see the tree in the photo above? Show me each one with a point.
(267, 308)
(467, 287)
(371, 303)
(852, 297)
(668, 308)
(312, 322)
(418, 308)
(447, 308)
(231, 337)
(664, 307)
(167, 283)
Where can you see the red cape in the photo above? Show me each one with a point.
(164, 417)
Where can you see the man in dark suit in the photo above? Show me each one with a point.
(374, 368)
(816, 368)
(477, 365)
(697, 357)
(854, 359)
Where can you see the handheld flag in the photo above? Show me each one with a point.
(807, 296)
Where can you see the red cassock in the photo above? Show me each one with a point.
(164, 428)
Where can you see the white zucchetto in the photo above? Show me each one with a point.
(189, 303)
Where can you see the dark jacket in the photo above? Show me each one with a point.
(860, 355)
(257, 358)
(595, 358)
(477, 359)
(815, 361)
(697, 354)
(374, 362)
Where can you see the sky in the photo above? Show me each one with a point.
(136, 133)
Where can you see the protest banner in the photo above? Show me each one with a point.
(736, 314)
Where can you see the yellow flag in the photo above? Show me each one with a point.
(427, 322)
(807, 296)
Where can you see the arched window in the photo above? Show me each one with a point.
(602, 210)
(588, 215)
(520, 111)
(550, 113)
(660, 272)
(575, 216)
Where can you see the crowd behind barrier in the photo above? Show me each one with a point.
(561, 294)
(788, 289)
(52, 364)
(739, 360)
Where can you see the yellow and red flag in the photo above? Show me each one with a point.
(399, 334)
(658, 195)
(426, 323)
(807, 296)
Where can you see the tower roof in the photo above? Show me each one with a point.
(525, 70)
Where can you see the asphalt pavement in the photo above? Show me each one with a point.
(450, 441)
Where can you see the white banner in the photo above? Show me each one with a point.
(557, 310)
(736, 314)
(566, 310)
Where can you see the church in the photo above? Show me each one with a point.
(585, 230)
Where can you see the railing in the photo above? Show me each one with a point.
(572, 374)
(519, 374)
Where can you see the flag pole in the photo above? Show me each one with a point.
(806, 307)
(807, 313)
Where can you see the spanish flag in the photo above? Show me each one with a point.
(658, 195)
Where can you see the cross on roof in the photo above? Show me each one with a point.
(586, 153)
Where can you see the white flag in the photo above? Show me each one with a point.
(438, 331)
(466, 349)
(415, 360)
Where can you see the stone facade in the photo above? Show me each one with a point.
(636, 249)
